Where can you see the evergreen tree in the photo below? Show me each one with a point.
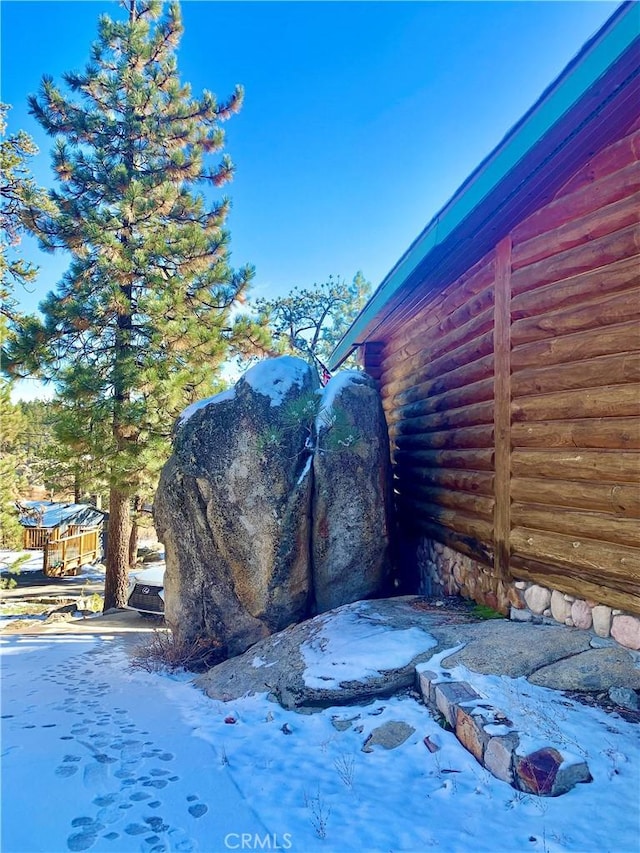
(310, 322)
(142, 318)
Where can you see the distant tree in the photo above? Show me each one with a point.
(311, 321)
(143, 318)
(11, 460)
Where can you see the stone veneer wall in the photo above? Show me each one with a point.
(443, 571)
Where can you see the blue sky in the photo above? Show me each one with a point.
(361, 118)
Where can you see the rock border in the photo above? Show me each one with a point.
(492, 739)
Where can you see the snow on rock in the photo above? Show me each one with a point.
(274, 377)
(332, 390)
(229, 394)
(354, 645)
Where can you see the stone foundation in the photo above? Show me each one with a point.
(445, 572)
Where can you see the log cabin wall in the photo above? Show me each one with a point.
(512, 399)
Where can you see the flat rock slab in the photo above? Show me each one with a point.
(389, 735)
(516, 649)
(595, 669)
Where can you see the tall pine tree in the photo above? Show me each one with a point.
(142, 319)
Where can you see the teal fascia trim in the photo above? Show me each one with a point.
(566, 93)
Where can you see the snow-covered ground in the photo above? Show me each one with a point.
(98, 756)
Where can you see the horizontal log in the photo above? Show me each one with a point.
(609, 433)
(593, 316)
(596, 372)
(614, 157)
(472, 504)
(614, 401)
(422, 366)
(604, 465)
(461, 377)
(617, 499)
(576, 585)
(577, 290)
(474, 482)
(578, 231)
(600, 561)
(462, 523)
(578, 524)
(620, 338)
(471, 460)
(585, 199)
(440, 331)
(478, 392)
(598, 253)
(411, 526)
(482, 413)
(458, 439)
(440, 304)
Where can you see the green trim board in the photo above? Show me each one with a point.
(620, 34)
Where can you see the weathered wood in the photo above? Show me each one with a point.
(597, 253)
(592, 373)
(578, 524)
(578, 231)
(472, 504)
(614, 401)
(463, 523)
(614, 157)
(467, 374)
(478, 392)
(619, 338)
(423, 366)
(592, 315)
(588, 198)
(553, 577)
(471, 460)
(602, 561)
(589, 285)
(604, 465)
(502, 402)
(475, 482)
(613, 433)
(447, 334)
(476, 436)
(482, 413)
(617, 499)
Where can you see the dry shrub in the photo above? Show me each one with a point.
(164, 651)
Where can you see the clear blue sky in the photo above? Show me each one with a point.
(361, 118)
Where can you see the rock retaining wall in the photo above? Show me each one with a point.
(443, 572)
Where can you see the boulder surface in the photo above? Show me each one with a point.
(233, 510)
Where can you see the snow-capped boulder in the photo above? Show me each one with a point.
(233, 509)
(352, 489)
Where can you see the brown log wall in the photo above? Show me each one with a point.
(513, 395)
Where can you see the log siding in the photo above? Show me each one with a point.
(513, 394)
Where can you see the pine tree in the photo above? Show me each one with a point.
(141, 321)
(310, 322)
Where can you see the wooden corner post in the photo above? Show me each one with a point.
(502, 408)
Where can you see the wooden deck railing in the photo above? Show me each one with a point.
(62, 556)
(35, 538)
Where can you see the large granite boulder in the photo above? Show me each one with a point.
(233, 509)
(352, 492)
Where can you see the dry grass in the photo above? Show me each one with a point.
(164, 651)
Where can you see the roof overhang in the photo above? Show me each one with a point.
(588, 106)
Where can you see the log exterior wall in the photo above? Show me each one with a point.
(513, 396)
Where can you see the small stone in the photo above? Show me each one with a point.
(519, 615)
(625, 697)
(520, 584)
(626, 631)
(560, 608)
(471, 734)
(544, 773)
(498, 756)
(601, 616)
(547, 613)
(569, 598)
(449, 695)
(389, 735)
(581, 615)
(568, 622)
(537, 598)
